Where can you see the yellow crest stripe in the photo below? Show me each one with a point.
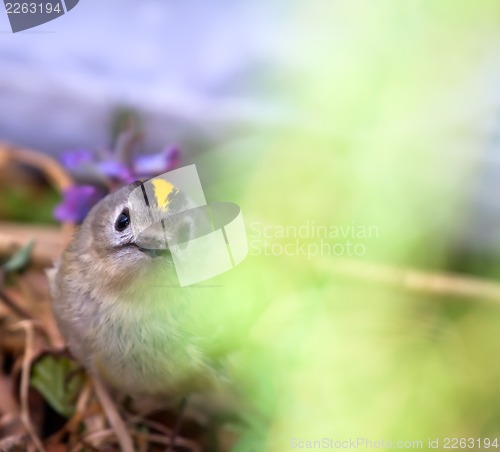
(162, 190)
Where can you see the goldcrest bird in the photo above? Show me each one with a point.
(118, 304)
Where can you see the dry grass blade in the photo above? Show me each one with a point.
(94, 440)
(57, 175)
(11, 304)
(6, 420)
(49, 241)
(451, 284)
(159, 439)
(16, 443)
(142, 443)
(29, 354)
(10, 421)
(81, 404)
(113, 416)
(54, 172)
(150, 424)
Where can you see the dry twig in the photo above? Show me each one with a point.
(159, 439)
(416, 280)
(12, 305)
(113, 416)
(25, 379)
(55, 173)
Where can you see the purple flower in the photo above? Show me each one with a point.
(116, 170)
(155, 164)
(76, 203)
(108, 172)
(73, 159)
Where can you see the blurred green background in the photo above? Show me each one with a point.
(394, 124)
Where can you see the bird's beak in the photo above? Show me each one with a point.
(154, 240)
(173, 230)
(155, 252)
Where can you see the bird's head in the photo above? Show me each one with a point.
(128, 233)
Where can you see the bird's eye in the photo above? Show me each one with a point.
(123, 221)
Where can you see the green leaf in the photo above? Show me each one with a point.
(59, 380)
(21, 259)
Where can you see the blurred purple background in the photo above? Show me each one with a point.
(195, 71)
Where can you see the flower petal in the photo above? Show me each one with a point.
(155, 164)
(72, 159)
(115, 170)
(77, 202)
